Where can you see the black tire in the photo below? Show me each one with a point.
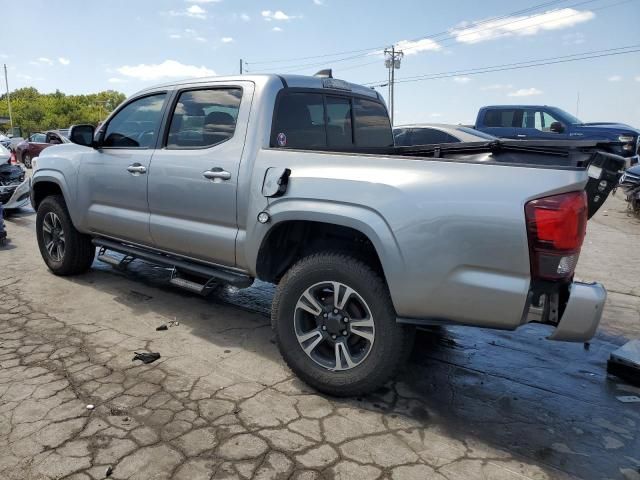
(78, 250)
(392, 341)
(26, 160)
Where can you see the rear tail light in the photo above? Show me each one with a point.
(556, 227)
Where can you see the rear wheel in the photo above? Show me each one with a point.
(26, 159)
(65, 250)
(336, 326)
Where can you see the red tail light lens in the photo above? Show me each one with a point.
(556, 227)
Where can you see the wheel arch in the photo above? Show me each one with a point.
(45, 184)
(349, 228)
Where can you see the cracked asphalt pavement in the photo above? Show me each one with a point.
(221, 404)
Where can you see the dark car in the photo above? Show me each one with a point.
(30, 148)
(433, 133)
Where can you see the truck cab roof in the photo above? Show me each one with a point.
(287, 81)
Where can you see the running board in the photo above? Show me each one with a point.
(212, 274)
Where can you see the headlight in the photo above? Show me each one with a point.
(626, 138)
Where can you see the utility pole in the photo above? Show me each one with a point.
(392, 61)
(240, 66)
(6, 81)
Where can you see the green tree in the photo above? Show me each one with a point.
(35, 112)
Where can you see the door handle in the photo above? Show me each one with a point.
(217, 173)
(520, 135)
(136, 168)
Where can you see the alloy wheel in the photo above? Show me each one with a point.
(334, 325)
(53, 236)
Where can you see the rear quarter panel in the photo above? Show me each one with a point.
(451, 236)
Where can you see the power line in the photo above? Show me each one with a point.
(446, 33)
(518, 12)
(530, 64)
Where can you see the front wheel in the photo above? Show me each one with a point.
(65, 250)
(336, 326)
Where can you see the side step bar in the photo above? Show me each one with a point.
(214, 275)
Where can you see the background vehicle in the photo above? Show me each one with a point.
(630, 185)
(14, 187)
(31, 148)
(542, 122)
(5, 155)
(296, 181)
(433, 133)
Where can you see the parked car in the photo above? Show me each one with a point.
(28, 149)
(295, 180)
(543, 122)
(434, 133)
(14, 187)
(5, 155)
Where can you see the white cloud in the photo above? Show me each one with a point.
(200, 39)
(461, 80)
(4, 55)
(318, 2)
(637, 79)
(22, 76)
(244, 17)
(269, 15)
(175, 36)
(116, 80)
(614, 78)
(203, 1)
(226, 39)
(435, 115)
(575, 38)
(498, 86)
(42, 61)
(475, 32)
(166, 69)
(525, 92)
(276, 29)
(410, 47)
(64, 61)
(194, 11)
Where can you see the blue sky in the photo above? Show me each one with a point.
(85, 46)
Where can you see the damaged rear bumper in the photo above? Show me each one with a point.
(575, 318)
(582, 313)
(19, 197)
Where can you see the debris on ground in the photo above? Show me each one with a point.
(90, 407)
(625, 362)
(146, 357)
(109, 471)
(165, 326)
(628, 398)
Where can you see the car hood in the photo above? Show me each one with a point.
(607, 129)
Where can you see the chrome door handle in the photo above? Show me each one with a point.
(520, 135)
(136, 168)
(217, 173)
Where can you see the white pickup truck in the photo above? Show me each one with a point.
(296, 181)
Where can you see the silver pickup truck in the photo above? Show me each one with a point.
(295, 180)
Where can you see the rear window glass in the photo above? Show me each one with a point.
(373, 128)
(426, 136)
(317, 120)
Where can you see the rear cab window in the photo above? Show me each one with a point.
(311, 120)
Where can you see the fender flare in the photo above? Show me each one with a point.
(367, 221)
(55, 177)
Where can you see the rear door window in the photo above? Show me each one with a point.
(203, 118)
(502, 118)
(426, 136)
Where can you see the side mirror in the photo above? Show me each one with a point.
(82, 135)
(556, 127)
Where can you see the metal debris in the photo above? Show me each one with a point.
(90, 407)
(146, 357)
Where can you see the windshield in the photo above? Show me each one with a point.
(566, 116)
